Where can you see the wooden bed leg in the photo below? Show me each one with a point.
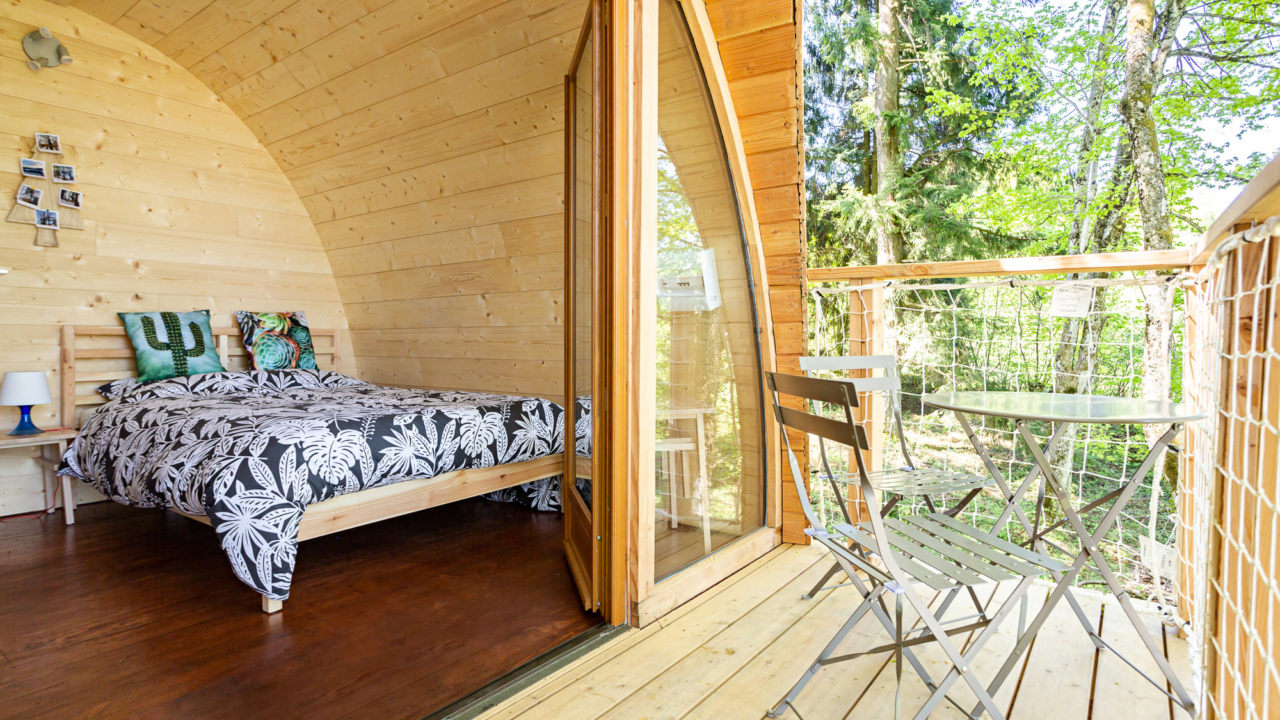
(271, 606)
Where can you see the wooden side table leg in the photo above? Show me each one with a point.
(50, 480)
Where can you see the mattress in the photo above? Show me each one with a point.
(251, 450)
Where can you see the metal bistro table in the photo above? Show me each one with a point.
(1064, 410)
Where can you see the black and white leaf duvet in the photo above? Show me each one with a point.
(252, 449)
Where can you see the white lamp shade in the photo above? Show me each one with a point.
(25, 388)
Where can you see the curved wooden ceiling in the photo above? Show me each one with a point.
(319, 80)
(424, 138)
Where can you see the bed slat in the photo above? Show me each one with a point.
(368, 506)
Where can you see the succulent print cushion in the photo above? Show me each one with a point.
(169, 344)
(277, 341)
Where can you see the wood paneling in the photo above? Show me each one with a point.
(427, 136)
(425, 143)
(184, 208)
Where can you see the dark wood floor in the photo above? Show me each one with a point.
(135, 613)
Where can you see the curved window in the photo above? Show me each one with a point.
(708, 436)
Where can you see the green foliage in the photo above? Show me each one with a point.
(993, 112)
(948, 114)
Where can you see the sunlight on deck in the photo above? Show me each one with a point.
(735, 650)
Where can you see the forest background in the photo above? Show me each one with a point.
(944, 130)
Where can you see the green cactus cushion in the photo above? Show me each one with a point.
(169, 344)
(277, 340)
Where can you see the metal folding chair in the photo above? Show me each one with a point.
(892, 555)
(908, 481)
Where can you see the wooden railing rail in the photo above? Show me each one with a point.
(1259, 200)
(1098, 262)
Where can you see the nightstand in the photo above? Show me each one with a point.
(52, 444)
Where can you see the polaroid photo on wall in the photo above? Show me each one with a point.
(29, 196)
(47, 219)
(48, 143)
(69, 198)
(64, 173)
(33, 168)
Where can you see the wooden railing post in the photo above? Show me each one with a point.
(866, 337)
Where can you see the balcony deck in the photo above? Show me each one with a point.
(735, 651)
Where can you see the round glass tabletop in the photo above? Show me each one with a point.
(1059, 407)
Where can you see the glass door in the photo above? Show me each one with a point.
(708, 434)
(583, 495)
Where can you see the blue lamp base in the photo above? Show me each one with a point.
(25, 426)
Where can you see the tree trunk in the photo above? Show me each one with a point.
(889, 163)
(1136, 108)
(1142, 73)
(1077, 350)
(1083, 180)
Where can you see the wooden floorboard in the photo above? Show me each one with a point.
(1056, 681)
(611, 683)
(135, 613)
(1119, 692)
(735, 652)
(573, 673)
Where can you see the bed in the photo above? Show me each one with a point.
(269, 458)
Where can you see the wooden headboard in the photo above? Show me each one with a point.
(96, 354)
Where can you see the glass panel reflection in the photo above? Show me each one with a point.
(583, 292)
(709, 478)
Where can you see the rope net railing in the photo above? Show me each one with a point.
(1229, 520)
(1006, 335)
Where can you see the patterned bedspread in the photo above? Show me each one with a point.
(251, 450)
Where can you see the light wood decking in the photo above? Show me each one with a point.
(735, 650)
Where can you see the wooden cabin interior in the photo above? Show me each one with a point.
(396, 170)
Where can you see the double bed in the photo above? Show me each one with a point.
(269, 458)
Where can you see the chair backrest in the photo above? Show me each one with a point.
(846, 431)
(838, 393)
(890, 382)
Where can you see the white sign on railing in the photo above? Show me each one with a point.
(1071, 301)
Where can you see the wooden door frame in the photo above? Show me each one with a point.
(632, 218)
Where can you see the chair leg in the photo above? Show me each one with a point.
(897, 617)
(960, 662)
(835, 568)
(882, 614)
(671, 488)
(868, 602)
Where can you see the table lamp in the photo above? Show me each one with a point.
(25, 389)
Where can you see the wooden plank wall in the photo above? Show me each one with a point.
(184, 208)
(760, 44)
(425, 141)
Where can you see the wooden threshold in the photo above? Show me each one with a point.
(368, 506)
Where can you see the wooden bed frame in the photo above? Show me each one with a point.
(108, 348)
